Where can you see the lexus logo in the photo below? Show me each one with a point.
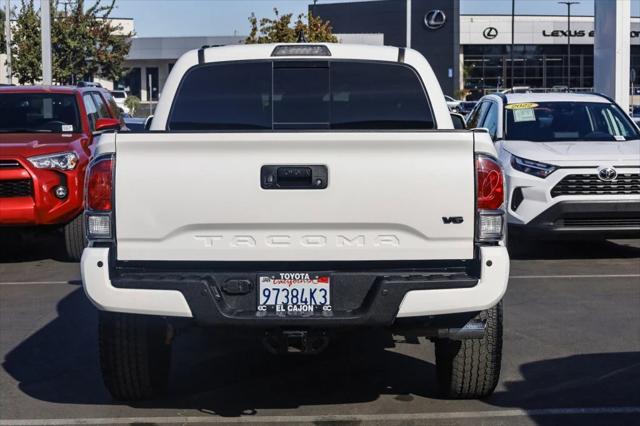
(490, 33)
(607, 174)
(435, 19)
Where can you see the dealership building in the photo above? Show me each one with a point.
(466, 51)
(474, 51)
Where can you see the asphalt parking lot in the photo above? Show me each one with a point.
(571, 355)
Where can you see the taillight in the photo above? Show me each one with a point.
(99, 198)
(100, 185)
(490, 184)
(489, 199)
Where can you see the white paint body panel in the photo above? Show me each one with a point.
(106, 297)
(198, 197)
(487, 293)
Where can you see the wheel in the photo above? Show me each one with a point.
(135, 355)
(74, 239)
(470, 368)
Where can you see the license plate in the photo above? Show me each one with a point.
(294, 293)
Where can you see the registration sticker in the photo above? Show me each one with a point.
(522, 105)
(522, 115)
(67, 127)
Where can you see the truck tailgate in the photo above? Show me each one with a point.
(198, 197)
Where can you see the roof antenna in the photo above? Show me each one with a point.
(301, 37)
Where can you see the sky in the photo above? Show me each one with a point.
(227, 17)
(155, 18)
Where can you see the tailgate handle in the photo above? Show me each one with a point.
(293, 177)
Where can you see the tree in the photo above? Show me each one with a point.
(87, 44)
(84, 42)
(132, 102)
(25, 44)
(279, 29)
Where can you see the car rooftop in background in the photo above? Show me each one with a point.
(513, 98)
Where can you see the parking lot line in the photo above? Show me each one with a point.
(536, 277)
(35, 282)
(329, 418)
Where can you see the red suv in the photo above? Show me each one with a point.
(46, 142)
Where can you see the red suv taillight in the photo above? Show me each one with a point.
(489, 199)
(99, 198)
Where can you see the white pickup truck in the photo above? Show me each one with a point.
(295, 192)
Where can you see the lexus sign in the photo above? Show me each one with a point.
(435, 19)
(490, 33)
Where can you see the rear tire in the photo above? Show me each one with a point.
(135, 355)
(470, 369)
(74, 238)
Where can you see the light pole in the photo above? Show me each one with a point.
(45, 25)
(569, 4)
(513, 32)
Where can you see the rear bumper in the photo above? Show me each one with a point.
(359, 298)
(36, 203)
(592, 218)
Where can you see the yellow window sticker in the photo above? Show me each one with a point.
(523, 105)
(520, 115)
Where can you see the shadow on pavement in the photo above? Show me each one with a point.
(29, 244)
(584, 380)
(228, 377)
(521, 248)
(587, 380)
(214, 373)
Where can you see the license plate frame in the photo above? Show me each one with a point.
(293, 293)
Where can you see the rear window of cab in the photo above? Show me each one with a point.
(303, 94)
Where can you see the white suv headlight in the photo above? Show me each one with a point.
(530, 167)
(60, 161)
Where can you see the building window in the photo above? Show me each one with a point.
(489, 68)
(130, 82)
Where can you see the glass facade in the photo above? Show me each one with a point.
(488, 67)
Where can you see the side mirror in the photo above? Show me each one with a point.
(147, 123)
(107, 124)
(458, 121)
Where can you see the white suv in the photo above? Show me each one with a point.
(120, 96)
(572, 162)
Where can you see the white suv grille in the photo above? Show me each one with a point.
(590, 184)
